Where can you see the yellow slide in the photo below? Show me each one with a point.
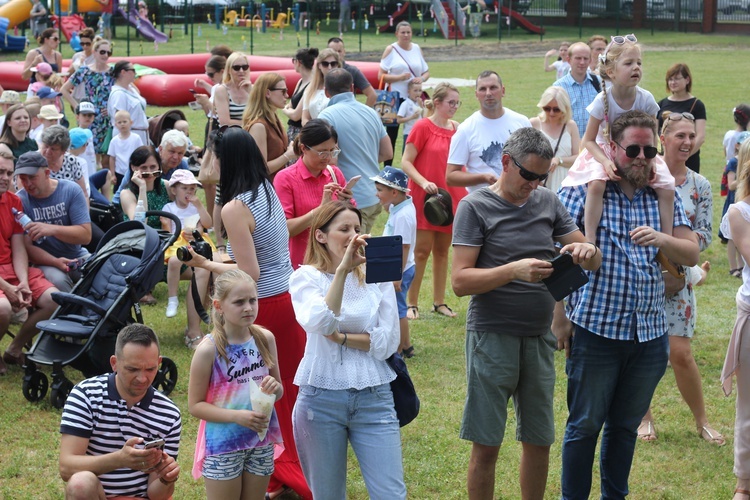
(17, 11)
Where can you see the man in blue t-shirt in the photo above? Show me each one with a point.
(60, 221)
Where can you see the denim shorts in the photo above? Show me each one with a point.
(501, 367)
(406, 279)
(228, 466)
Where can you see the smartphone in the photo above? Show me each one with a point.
(384, 256)
(154, 443)
(194, 105)
(352, 181)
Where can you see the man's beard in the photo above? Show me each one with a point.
(638, 177)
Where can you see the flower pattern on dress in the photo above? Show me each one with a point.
(97, 87)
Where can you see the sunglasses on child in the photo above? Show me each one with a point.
(241, 67)
(528, 174)
(634, 150)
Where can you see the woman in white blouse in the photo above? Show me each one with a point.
(126, 96)
(344, 379)
(315, 99)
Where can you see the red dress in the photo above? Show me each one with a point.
(432, 143)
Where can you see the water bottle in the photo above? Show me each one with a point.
(24, 220)
(140, 212)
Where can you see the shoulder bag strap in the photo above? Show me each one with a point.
(407, 62)
(554, 153)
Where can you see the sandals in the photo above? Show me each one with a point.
(646, 431)
(192, 342)
(408, 352)
(412, 312)
(711, 435)
(148, 300)
(442, 308)
(737, 273)
(742, 492)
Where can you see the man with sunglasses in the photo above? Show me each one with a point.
(504, 238)
(580, 85)
(476, 148)
(616, 335)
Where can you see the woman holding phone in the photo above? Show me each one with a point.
(310, 183)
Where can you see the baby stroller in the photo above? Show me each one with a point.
(83, 329)
(159, 124)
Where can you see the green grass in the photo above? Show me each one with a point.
(678, 465)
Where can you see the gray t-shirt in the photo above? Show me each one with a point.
(66, 206)
(508, 233)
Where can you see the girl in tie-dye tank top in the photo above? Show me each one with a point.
(235, 446)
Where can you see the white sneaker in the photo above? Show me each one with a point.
(172, 309)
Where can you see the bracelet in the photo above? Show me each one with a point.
(221, 246)
(285, 156)
(167, 483)
(343, 342)
(596, 248)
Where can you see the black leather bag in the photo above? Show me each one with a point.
(566, 278)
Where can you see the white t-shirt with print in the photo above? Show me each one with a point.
(644, 101)
(408, 108)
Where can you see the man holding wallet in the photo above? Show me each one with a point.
(616, 336)
(504, 238)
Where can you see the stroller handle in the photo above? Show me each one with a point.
(177, 224)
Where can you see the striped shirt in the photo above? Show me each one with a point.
(271, 240)
(95, 411)
(626, 295)
(236, 110)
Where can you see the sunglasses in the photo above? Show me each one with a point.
(294, 60)
(675, 117)
(619, 39)
(103, 52)
(325, 155)
(634, 150)
(155, 173)
(54, 38)
(85, 44)
(129, 69)
(223, 129)
(241, 67)
(528, 174)
(329, 64)
(210, 74)
(284, 90)
(550, 109)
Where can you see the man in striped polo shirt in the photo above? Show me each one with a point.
(108, 418)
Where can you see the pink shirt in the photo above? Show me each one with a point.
(299, 192)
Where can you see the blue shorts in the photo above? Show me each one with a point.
(406, 280)
(228, 466)
(106, 19)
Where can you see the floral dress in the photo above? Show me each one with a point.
(97, 87)
(697, 201)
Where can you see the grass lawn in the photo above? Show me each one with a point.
(678, 465)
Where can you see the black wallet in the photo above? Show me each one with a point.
(566, 277)
(384, 256)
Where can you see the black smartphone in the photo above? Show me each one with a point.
(384, 256)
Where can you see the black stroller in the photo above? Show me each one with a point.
(83, 329)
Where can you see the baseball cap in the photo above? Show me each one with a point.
(43, 69)
(30, 163)
(79, 137)
(50, 112)
(393, 178)
(85, 108)
(47, 93)
(10, 97)
(183, 176)
(438, 208)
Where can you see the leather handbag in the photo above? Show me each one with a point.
(405, 397)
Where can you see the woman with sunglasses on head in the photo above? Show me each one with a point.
(424, 161)
(96, 80)
(145, 185)
(678, 137)
(679, 84)
(256, 228)
(230, 99)
(269, 95)
(47, 52)
(126, 96)
(305, 186)
(555, 121)
(303, 61)
(315, 100)
(401, 63)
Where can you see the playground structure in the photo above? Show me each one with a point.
(141, 24)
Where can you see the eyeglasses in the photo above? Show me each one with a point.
(85, 44)
(326, 64)
(155, 173)
(454, 104)
(223, 129)
(528, 174)
(284, 90)
(550, 109)
(241, 67)
(634, 150)
(210, 74)
(105, 52)
(325, 155)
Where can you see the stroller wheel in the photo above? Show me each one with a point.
(60, 392)
(166, 378)
(35, 386)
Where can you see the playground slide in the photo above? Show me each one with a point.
(398, 16)
(17, 11)
(522, 21)
(9, 43)
(143, 26)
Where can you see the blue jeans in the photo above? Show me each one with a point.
(324, 420)
(96, 181)
(610, 384)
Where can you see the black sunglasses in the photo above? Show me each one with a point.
(326, 64)
(85, 44)
(634, 150)
(155, 173)
(102, 52)
(528, 174)
(223, 129)
(548, 109)
(241, 67)
(210, 74)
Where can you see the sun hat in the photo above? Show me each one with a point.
(438, 208)
(50, 112)
(43, 69)
(30, 163)
(393, 178)
(47, 93)
(10, 97)
(79, 137)
(183, 176)
(85, 108)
